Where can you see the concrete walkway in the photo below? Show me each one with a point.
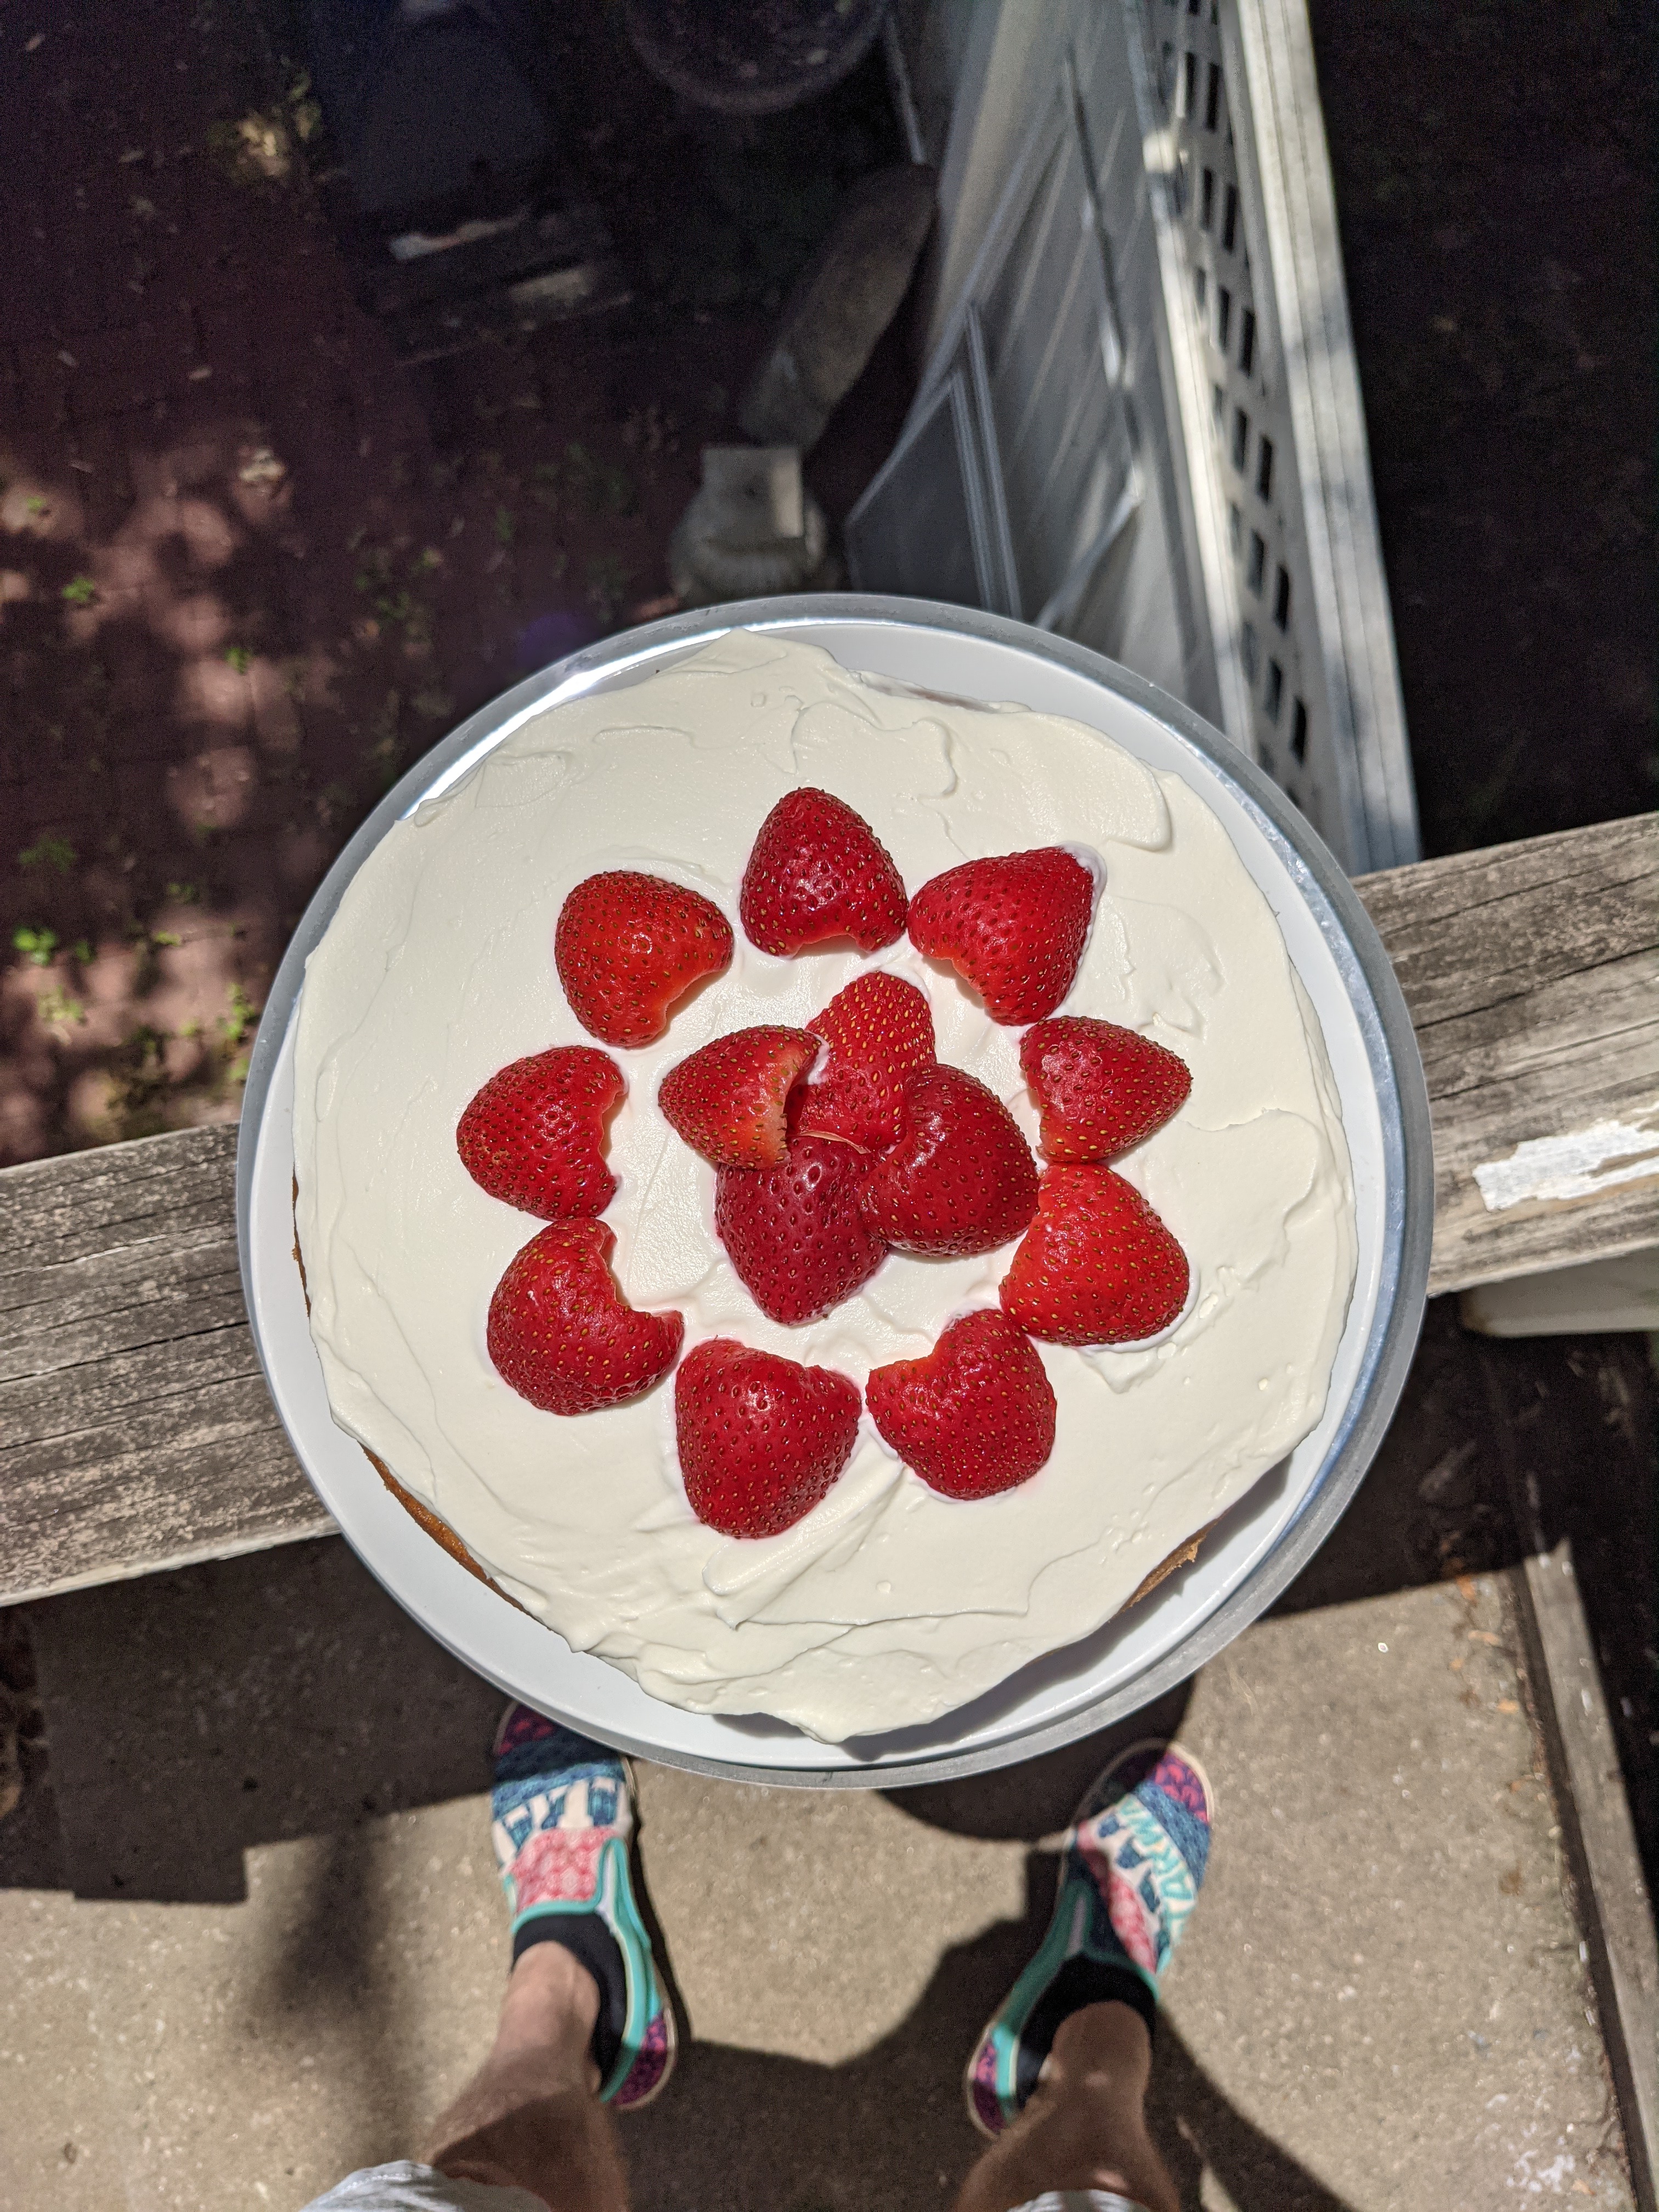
(254, 1937)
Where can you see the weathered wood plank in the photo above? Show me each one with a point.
(145, 1507)
(1544, 908)
(1531, 974)
(135, 1430)
(120, 1304)
(90, 1203)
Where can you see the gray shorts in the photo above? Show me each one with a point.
(403, 2187)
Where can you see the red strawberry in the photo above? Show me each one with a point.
(562, 1335)
(1100, 1088)
(880, 1033)
(1097, 1266)
(626, 946)
(794, 1233)
(819, 871)
(976, 1416)
(761, 1439)
(1015, 926)
(961, 1177)
(727, 1100)
(534, 1136)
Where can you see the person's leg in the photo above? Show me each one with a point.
(585, 2023)
(531, 2117)
(1059, 2075)
(1084, 2126)
(563, 1824)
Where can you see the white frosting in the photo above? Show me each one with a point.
(889, 1605)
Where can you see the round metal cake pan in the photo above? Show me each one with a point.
(1260, 1545)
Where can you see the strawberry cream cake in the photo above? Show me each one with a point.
(819, 1192)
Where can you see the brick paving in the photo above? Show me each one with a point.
(251, 568)
(291, 565)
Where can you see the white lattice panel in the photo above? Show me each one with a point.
(1179, 202)
(1301, 608)
(1248, 427)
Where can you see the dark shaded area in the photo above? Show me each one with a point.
(887, 2129)
(713, 212)
(249, 1701)
(1435, 1503)
(252, 1701)
(31, 1846)
(1574, 1422)
(1494, 188)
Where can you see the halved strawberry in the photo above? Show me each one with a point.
(727, 1100)
(1100, 1088)
(627, 946)
(1097, 1266)
(794, 1233)
(818, 871)
(1015, 926)
(961, 1177)
(880, 1033)
(761, 1438)
(976, 1416)
(560, 1332)
(534, 1135)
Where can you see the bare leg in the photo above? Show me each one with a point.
(530, 2116)
(1084, 2126)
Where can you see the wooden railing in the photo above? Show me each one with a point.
(136, 1433)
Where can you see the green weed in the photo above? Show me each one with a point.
(236, 1025)
(58, 1010)
(39, 944)
(48, 851)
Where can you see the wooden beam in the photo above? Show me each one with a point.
(135, 1428)
(1531, 974)
(137, 1432)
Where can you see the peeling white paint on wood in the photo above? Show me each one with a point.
(1581, 1164)
(1532, 974)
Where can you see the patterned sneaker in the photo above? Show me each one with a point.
(562, 1817)
(1134, 1856)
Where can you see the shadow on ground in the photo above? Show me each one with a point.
(191, 1716)
(254, 1700)
(756, 2133)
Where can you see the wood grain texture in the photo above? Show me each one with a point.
(1531, 974)
(136, 1431)
(135, 1428)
